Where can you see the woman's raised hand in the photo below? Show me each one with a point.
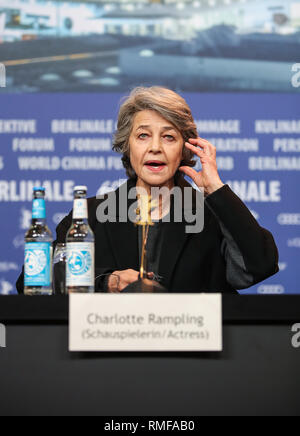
(208, 178)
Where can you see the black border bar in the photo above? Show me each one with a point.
(246, 309)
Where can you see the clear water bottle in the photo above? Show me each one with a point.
(38, 250)
(80, 265)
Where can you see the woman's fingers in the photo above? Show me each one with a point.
(207, 147)
(131, 276)
(190, 172)
(194, 149)
(126, 277)
(198, 152)
(208, 178)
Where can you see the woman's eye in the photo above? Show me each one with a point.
(143, 136)
(169, 137)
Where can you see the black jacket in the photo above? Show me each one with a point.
(232, 252)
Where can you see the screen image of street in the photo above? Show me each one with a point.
(110, 46)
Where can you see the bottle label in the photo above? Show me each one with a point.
(39, 209)
(37, 266)
(80, 264)
(80, 210)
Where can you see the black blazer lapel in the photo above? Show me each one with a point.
(123, 236)
(174, 239)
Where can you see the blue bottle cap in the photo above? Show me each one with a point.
(39, 189)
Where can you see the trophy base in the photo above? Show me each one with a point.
(145, 286)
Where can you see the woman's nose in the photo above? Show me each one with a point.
(155, 145)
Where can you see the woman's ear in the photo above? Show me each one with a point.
(183, 151)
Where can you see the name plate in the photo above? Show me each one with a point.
(145, 322)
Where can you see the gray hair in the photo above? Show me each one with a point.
(168, 104)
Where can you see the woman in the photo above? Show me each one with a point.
(158, 139)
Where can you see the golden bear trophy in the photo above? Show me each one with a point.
(145, 283)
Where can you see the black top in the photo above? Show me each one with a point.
(232, 251)
(153, 248)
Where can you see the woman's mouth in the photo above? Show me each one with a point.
(155, 166)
